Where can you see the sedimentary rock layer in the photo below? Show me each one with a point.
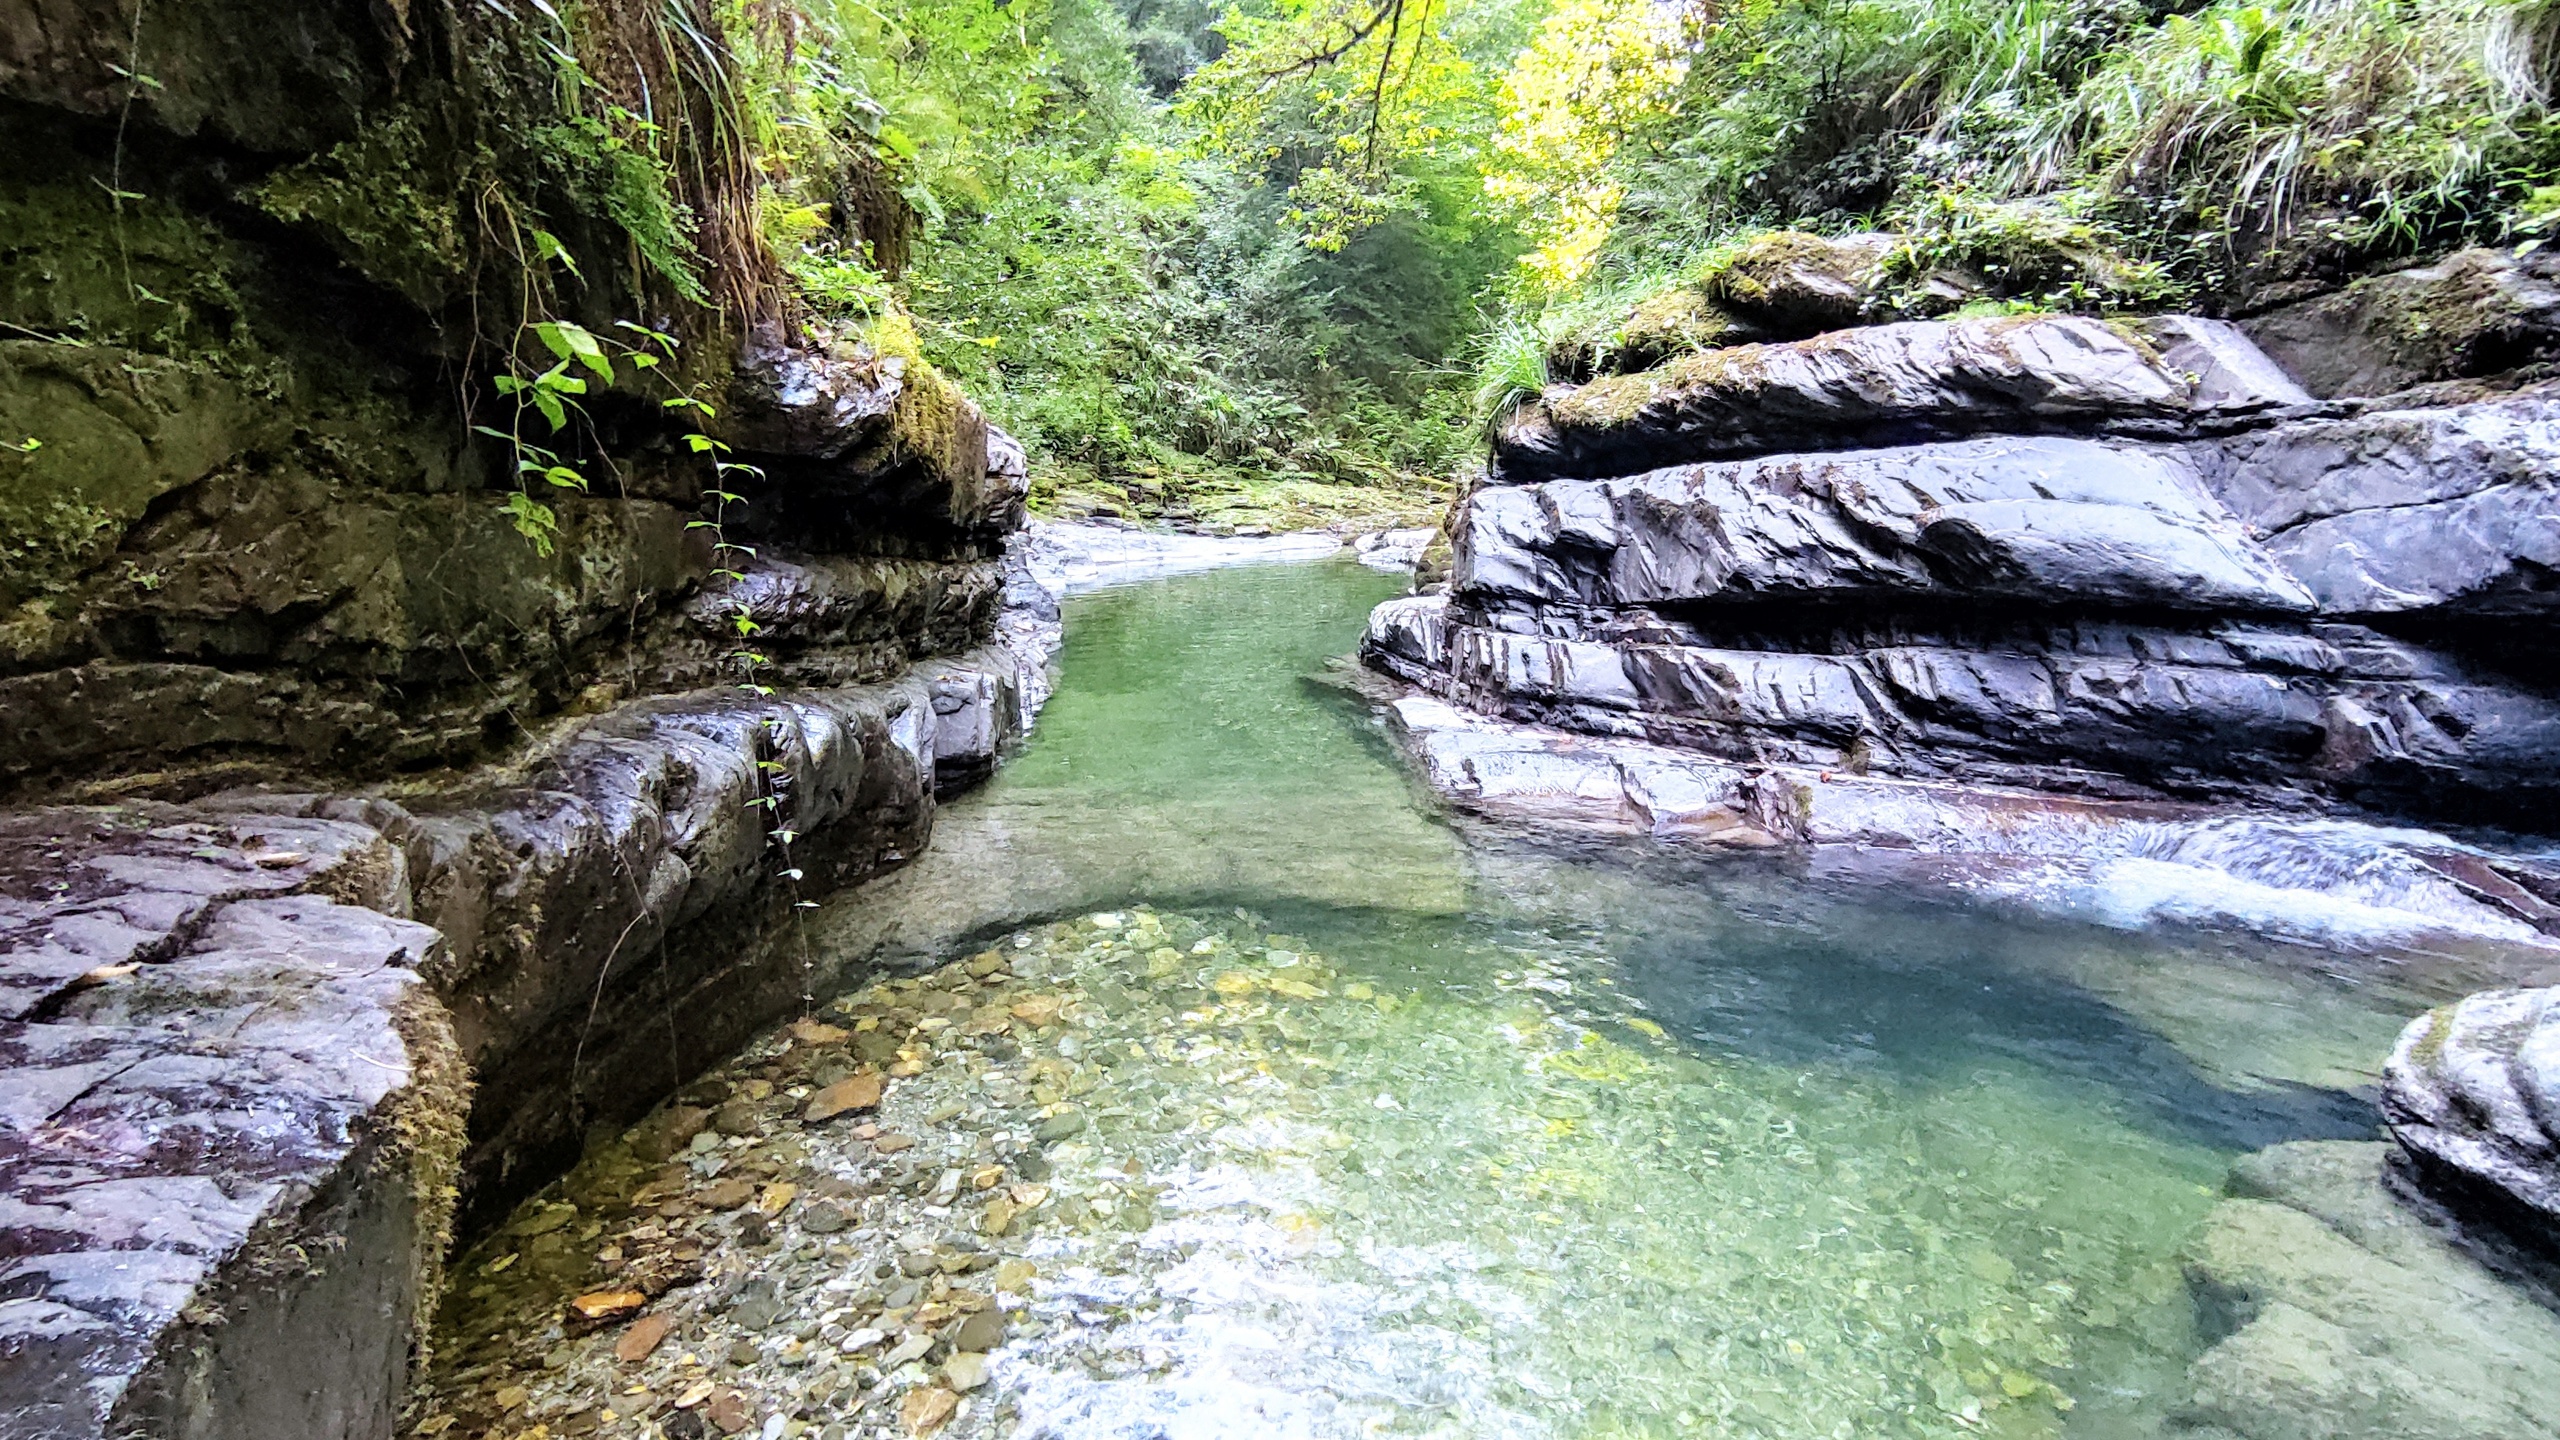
(2308, 609)
(258, 1047)
(1883, 384)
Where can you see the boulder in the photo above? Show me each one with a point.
(2472, 1093)
(2334, 1310)
(2045, 518)
(1918, 380)
(2453, 509)
(2475, 312)
(855, 443)
(1793, 284)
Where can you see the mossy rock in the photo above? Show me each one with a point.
(385, 202)
(1793, 284)
(2016, 251)
(114, 431)
(1668, 323)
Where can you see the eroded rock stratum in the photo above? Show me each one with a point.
(2029, 564)
(2121, 618)
(364, 852)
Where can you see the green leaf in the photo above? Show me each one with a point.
(533, 520)
(547, 246)
(564, 477)
(573, 342)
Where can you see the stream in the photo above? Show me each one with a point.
(1236, 1092)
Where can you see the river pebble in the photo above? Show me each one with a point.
(1009, 1198)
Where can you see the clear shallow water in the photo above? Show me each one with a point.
(1386, 1129)
(1650, 1147)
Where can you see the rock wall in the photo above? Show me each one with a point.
(367, 854)
(2117, 618)
(261, 1046)
(2131, 563)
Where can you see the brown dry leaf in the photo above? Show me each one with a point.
(1028, 1197)
(278, 859)
(1234, 983)
(731, 1411)
(776, 1198)
(927, 1408)
(513, 1397)
(987, 1177)
(858, 1092)
(643, 1337)
(694, 1394)
(608, 1304)
(814, 1032)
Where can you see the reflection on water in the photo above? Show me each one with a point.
(1378, 1129)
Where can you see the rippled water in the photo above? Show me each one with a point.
(1392, 1129)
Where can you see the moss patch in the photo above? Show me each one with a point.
(384, 201)
(428, 1129)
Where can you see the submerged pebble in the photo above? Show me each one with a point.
(1197, 1178)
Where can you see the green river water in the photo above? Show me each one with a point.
(1384, 1126)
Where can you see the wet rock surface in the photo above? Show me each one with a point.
(2473, 1096)
(219, 1064)
(2112, 860)
(1880, 384)
(2313, 608)
(2334, 1308)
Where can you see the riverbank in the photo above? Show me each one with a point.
(1443, 1130)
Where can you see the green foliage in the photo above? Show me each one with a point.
(1178, 305)
(1512, 368)
(2034, 254)
(2238, 140)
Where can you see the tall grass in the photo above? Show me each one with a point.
(1511, 367)
(2161, 155)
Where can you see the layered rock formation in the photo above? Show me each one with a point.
(2118, 619)
(382, 823)
(2036, 557)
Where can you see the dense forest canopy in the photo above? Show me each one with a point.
(1210, 259)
